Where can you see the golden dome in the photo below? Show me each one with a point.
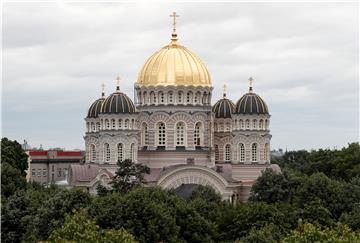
(174, 65)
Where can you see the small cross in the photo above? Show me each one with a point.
(174, 16)
(118, 78)
(225, 88)
(251, 80)
(103, 87)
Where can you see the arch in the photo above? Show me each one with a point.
(113, 124)
(261, 124)
(120, 123)
(266, 152)
(92, 152)
(241, 123)
(198, 134)
(247, 124)
(120, 152)
(192, 174)
(132, 123)
(88, 126)
(217, 152)
(132, 152)
(107, 124)
(227, 153)
(180, 134)
(98, 126)
(241, 152)
(254, 127)
(215, 127)
(126, 124)
(144, 134)
(107, 153)
(254, 152)
(266, 124)
(161, 97)
(161, 134)
(180, 97)
(170, 97)
(189, 97)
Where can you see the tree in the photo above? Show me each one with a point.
(307, 232)
(128, 175)
(13, 154)
(267, 234)
(207, 193)
(352, 219)
(11, 180)
(80, 228)
(273, 187)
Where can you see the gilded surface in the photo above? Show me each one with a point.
(174, 65)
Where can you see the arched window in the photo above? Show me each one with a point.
(92, 153)
(113, 123)
(227, 152)
(180, 134)
(161, 136)
(120, 123)
(261, 124)
(93, 127)
(198, 133)
(180, 97)
(98, 126)
(144, 134)
(266, 153)
(266, 124)
(88, 126)
(236, 125)
(126, 123)
(247, 124)
(170, 97)
(153, 97)
(132, 123)
(107, 152)
(228, 126)
(216, 152)
(215, 127)
(161, 98)
(144, 98)
(107, 124)
(204, 99)
(120, 152)
(241, 124)
(254, 152)
(132, 152)
(242, 152)
(189, 98)
(254, 124)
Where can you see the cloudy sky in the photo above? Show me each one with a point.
(304, 58)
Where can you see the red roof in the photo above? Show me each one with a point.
(38, 153)
(68, 153)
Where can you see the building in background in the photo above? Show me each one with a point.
(51, 166)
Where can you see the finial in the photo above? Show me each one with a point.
(103, 90)
(118, 78)
(174, 35)
(224, 88)
(251, 80)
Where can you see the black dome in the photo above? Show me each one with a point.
(223, 108)
(95, 108)
(251, 103)
(117, 103)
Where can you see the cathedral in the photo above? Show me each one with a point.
(173, 128)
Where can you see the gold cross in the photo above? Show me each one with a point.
(174, 16)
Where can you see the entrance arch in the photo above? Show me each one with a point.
(192, 174)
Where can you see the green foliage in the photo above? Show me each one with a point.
(80, 228)
(337, 164)
(128, 175)
(11, 180)
(207, 193)
(152, 215)
(308, 233)
(352, 219)
(274, 187)
(267, 234)
(13, 166)
(13, 154)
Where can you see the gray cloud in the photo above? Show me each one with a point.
(304, 58)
